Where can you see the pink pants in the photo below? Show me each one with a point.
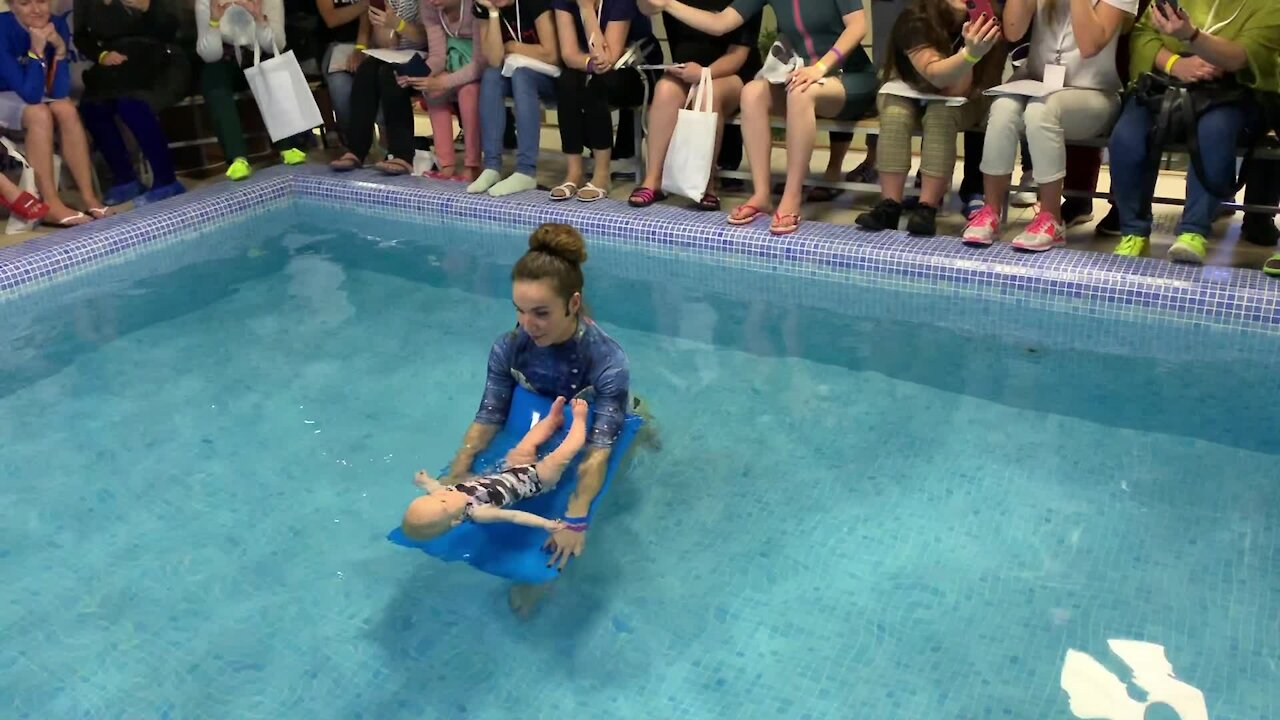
(441, 113)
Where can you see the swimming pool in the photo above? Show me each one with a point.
(878, 495)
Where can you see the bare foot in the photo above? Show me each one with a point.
(579, 410)
(557, 411)
(525, 599)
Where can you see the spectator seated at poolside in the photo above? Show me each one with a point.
(376, 86)
(137, 72)
(342, 28)
(523, 28)
(221, 76)
(454, 80)
(35, 81)
(1245, 46)
(732, 64)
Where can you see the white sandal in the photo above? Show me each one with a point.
(590, 188)
(569, 189)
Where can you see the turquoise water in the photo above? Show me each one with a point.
(867, 502)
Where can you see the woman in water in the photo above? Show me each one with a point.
(555, 350)
(837, 81)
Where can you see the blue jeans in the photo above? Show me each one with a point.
(1133, 173)
(530, 90)
(339, 85)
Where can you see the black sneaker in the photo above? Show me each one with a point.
(1109, 225)
(1077, 211)
(1260, 230)
(884, 216)
(923, 220)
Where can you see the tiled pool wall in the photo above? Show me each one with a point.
(1080, 282)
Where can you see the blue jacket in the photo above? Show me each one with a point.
(25, 76)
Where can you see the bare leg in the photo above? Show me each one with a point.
(38, 122)
(893, 185)
(1051, 199)
(75, 150)
(803, 109)
(932, 190)
(575, 169)
(757, 138)
(996, 189)
(600, 176)
(668, 98)
(728, 90)
(526, 452)
(551, 467)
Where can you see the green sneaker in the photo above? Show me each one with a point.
(240, 169)
(293, 156)
(1132, 246)
(1272, 266)
(1190, 248)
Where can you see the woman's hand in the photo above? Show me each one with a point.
(1174, 23)
(382, 19)
(564, 544)
(1194, 69)
(54, 39)
(655, 5)
(39, 41)
(217, 10)
(432, 85)
(691, 73)
(804, 77)
(981, 36)
(353, 62)
(255, 9)
(487, 5)
(113, 58)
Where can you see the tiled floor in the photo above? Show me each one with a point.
(1227, 249)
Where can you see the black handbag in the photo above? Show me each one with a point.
(1176, 108)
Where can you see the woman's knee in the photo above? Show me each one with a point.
(670, 91)
(37, 117)
(757, 97)
(64, 112)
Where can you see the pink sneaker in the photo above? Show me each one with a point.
(983, 228)
(1043, 233)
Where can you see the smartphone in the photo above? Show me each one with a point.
(1169, 6)
(378, 4)
(415, 68)
(977, 8)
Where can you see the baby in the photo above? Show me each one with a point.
(522, 475)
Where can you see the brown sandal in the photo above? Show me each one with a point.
(394, 166)
(346, 163)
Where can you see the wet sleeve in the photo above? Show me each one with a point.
(499, 384)
(613, 391)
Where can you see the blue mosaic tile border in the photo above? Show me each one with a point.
(34, 263)
(1075, 280)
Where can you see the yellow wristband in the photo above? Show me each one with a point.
(971, 58)
(361, 48)
(400, 27)
(213, 23)
(1168, 66)
(32, 54)
(823, 67)
(102, 54)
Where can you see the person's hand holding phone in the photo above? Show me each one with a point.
(981, 36)
(1171, 20)
(689, 73)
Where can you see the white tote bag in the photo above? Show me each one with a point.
(27, 183)
(283, 96)
(687, 168)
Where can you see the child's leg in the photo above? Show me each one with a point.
(551, 467)
(526, 453)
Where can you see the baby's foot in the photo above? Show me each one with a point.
(557, 411)
(579, 410)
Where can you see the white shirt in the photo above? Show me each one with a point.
(1053, 37)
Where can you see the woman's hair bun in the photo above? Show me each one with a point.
(561, 241)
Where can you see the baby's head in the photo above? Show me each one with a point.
(433, 515)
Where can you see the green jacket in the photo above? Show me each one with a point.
(1255, 24)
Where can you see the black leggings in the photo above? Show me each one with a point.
(583, 108)
(374, 87)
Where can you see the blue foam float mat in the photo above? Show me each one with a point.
(505, 549)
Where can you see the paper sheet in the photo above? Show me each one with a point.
(340, 57)
(901, 89)
(394, 57)
(1025, 88)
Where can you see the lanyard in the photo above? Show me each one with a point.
(518, 33)
(591, 41)
(445, 24)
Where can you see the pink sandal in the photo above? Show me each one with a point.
(753, 213)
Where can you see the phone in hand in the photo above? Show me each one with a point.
(977, 8)
(416, 68)
(378, 4)
(479, 11)
(1169, 7)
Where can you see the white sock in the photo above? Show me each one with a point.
(487, 179)
(518, 182)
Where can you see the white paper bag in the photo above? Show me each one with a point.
(283, 96)
(424, 161)
(687, 168)
(27, 183)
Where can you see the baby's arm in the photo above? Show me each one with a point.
(424, 480)
(490, 514)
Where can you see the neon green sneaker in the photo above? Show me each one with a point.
(1190, 248)
(293, 156)
(1272, 266)
(240, 169)
(1132, 246)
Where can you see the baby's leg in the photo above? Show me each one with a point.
(551, 467)
(526, 453)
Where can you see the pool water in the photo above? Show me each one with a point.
(868, 502)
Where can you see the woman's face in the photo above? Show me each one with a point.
(31, 13)
(542, 313)
(439, 4)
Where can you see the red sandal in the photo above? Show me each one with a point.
(28, 207)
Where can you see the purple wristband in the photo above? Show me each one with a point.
(838, 54)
